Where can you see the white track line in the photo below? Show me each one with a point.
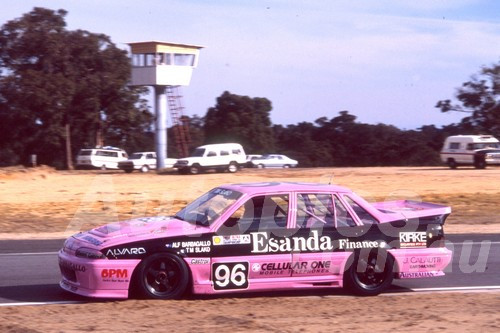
(39, 303)
(28, 254)
(457, 288)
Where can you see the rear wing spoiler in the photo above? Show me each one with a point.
(425, 212)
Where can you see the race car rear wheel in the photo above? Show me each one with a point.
(162, 276)
(369, 273)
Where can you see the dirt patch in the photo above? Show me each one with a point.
(453, 312)
(52, 203)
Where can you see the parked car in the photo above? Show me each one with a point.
(219, 157)
(260, 237)
(101, 158)
(143, 161)
(477, 150)
(249, 159)
(274, 161)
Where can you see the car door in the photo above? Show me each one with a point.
(332, 229)
(246, 251)
(315, 218)
(151, 160)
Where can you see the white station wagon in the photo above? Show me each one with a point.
(274, 161)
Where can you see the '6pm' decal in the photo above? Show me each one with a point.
(230, 275)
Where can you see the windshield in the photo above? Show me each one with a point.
(135, 156)
(207, 208)
(198, 152)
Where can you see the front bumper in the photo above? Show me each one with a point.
(96, 277)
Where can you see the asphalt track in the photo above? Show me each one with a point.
(29, 272)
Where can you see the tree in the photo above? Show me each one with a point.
(63, 90)
(240, 119)
(480, 98)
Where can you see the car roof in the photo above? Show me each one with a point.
(273, 187)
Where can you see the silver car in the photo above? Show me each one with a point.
(274, 161)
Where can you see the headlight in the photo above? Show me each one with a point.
(87, 253)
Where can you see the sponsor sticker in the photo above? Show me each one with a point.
(422, 262)
(265, 243)
(114, 275)
(200, 261)
(231, 240)
(415, 275)
(69, 265)
(412, 239)
(191, 246)
(299, 267)
(126, 251)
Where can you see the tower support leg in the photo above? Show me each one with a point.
(160, 126)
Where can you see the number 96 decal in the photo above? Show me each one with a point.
(230, 275)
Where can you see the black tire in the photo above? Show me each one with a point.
(103, 167)
(480, 163)
(260, 166)
(286, 166)
(129, 170)
(369, 273)
(144, 169)
(452, 164)
(194, 169)
(161, 276)
(232, 167)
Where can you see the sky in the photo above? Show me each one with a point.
(384, 61)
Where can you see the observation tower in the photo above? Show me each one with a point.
(165, 66)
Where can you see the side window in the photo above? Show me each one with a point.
(150, 156)
(211, 154)
(454, 145)
(342, 216)
(259, 213)
(224, 153)
(363, 215)
(236, 151)
(470, 146)
(315, 210)
(113, 154)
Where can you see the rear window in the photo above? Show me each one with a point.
(364, 216)
(454, 145)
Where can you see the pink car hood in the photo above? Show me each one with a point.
(138, 229)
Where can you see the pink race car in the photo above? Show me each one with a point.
(260, 236)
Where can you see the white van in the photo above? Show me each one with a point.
(219, 157)
(477, 150)
(101, 158)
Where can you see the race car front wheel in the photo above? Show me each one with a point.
(369, 273)
(162, 276)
